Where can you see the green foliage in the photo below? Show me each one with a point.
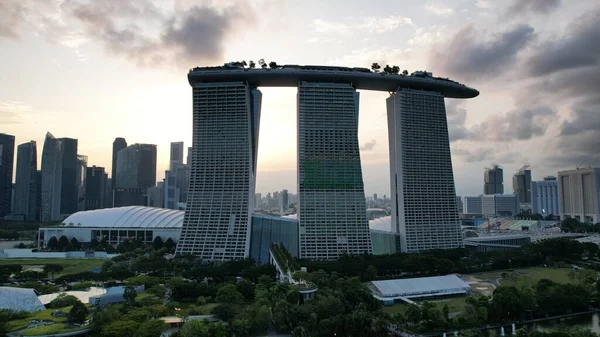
(157, 243)
(203, 329)
(63, 300)
(129, 294)
(52, 244)
(78, 313)
(225, 311)
(152, 328)
(40, 287)
(52, 269)
(82, 286)
(229, 294)
(120, 329)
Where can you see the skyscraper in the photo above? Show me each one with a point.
(136, 171)
(285, 202)
(118, 144)
(7, 153)
(82, 163)
(424, 207)
(156, 195)
(52, 155)
(95, 185)
(69, 187)
(544, 197)
(26, 198)
(176, 156)
(171, 197)
(579, 194)
(493, 179)
(332, 209)
(188, 160)
(522, 185)
(220, 202)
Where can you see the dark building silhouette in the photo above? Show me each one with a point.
(118, 145)
(95, 188)
(69, 187)
(136, 172)
(522, 184)
(7, 153)
(26, 182)
(493, 180)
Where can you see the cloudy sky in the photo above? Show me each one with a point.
(96, 70)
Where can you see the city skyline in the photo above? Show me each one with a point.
(550, 122)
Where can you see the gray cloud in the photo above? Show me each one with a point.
(369, 146)
(520, 7)
(476, 155)
(522, 124)
(11, 15)
(467, 55)
(136, 29)
(578, 48)
(456, 115)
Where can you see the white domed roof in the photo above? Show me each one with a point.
(127, 217)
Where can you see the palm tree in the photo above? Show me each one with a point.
(387, 69)
(251, 64)
(375, 67)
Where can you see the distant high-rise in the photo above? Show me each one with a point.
(26, 189)
(7, 154)
(522, 185)
(136, 171)
(220, 201)
(69, 186)
(424, 207)
(285, 202)
(118, 145)
(82, 163)
(500, 205)
(189, 156)
(544, 197)
(95, 185)
(52, 155)
(459, 203)
(156, 195)
(182, 176)
(493, 179)
(176, 156)
(171, 197)
(579, 194)
(472, 205)
(332, 209)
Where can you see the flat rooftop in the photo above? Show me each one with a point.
(359, 78)
(420, 287)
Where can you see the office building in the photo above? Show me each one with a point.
(118, 144)
(156, 195)
(220, 199)
(182, 183)
(267, 230)
(332, 209)
(95, 184)
(579, 194)
(493, 180)
(424, 207)
(176, 156)
(69, 188)
(136, 171)
(285, 201)
(472, 205)
(188, 160)
(500, 205)
(52, 155)
(171, 192)
(26, 188)
(459, 204)
(544, 197)
(82, 164)
(7, 153)
(522, 185)
(108, 192)
(331, 202)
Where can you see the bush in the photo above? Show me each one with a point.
(157, 290)
(63, 300)
(78, 313)
(82, 286)
(202, 300)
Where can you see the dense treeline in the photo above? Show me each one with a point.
(451, 261)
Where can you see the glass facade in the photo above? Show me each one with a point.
(267, 230)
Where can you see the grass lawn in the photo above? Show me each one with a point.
(51, 329)
(530, 276)
(43, 315)
(71, 266)
(184, 308)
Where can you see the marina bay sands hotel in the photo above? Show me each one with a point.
(331, 206)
